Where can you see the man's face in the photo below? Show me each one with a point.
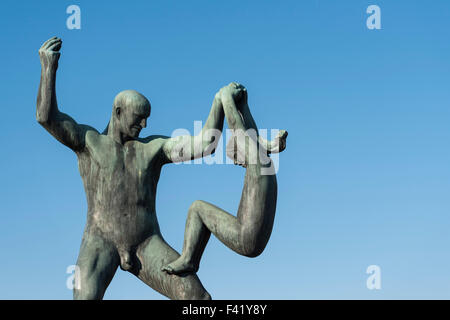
(132, 119)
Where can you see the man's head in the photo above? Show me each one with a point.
(130, 112)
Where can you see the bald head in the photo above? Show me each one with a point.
(130, 111)
(132, 99)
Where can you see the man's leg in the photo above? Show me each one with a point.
(153, 254)
(97, 262)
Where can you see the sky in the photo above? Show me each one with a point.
(364, 180)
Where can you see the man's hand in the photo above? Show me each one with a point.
(235, 91)
(49, 53)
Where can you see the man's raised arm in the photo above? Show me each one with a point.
(59, 124)
(183, 148)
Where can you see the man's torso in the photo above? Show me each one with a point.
(120, 182)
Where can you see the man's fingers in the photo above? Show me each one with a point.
(56, 46)
(51, 43)
(45, 43)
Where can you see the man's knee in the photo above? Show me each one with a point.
(190, 288)
(86, 293)
(206, 296)
(195, 295)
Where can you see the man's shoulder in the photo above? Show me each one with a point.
(88, 130)
(154, 146)
(91, 135)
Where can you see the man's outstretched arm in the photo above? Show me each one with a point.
(59, 124)
(183, 148)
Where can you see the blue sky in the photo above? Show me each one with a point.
(364, 180)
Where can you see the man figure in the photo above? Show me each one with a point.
(120, 172)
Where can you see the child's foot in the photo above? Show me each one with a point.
(179, 266)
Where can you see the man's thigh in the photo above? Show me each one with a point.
(97, 263)
(155, 253)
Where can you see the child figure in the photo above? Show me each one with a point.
(248, 232)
